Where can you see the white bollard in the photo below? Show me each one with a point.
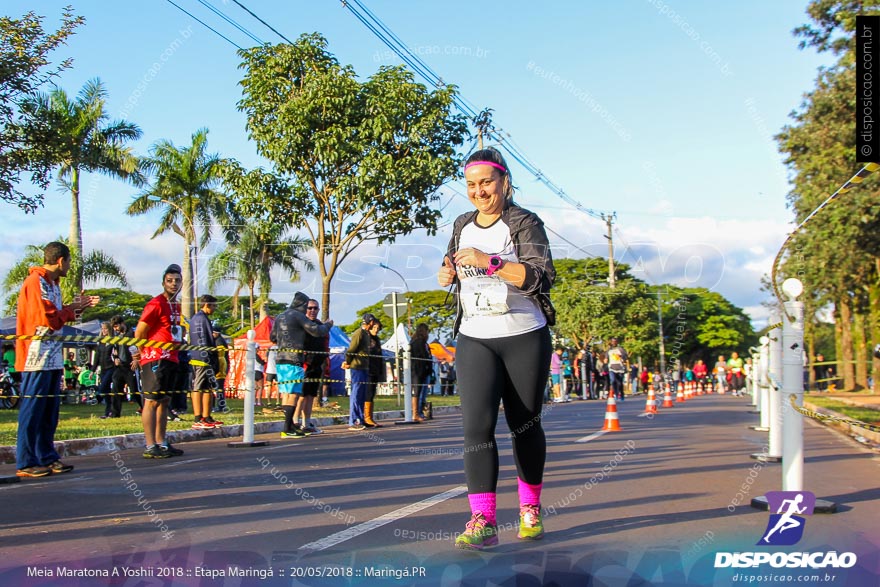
(407, 385)
(249, 395)
(764, 386)
(793, 384)
(775, 421)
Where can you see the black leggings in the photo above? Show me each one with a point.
(513, 370)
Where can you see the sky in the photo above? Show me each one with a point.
(662, 112)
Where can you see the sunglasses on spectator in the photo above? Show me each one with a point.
(315, 308)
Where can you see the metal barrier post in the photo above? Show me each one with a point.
(249, 395)
(763, 387)
(408, 414)
(793, 385)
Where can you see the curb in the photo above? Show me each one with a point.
(846, 428)
(106, 444)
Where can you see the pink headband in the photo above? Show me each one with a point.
(495, 165)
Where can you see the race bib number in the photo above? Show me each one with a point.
(484, 296)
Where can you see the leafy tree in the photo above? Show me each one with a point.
(250, 261)
(353, 162)
(837, 255)
(85, 140)
(125, 303)
(97, 267)
(186, 182)
(25, 67)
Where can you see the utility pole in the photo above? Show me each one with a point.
(609, 218)
(483, 121)
(662, 344)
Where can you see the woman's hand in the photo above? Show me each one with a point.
(446, 275)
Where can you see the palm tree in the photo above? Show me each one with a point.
(97, 267)
(250, 261)
(186, 181)
(85, 139)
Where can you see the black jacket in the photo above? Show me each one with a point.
(290, 329)
(532, 250)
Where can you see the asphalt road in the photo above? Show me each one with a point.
(650, 505)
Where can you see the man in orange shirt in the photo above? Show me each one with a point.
(40, 312)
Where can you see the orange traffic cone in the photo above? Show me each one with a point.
(667, 399)
(612, 424)
(651, 402)
(679, 395)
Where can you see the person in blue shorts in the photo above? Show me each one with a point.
(289, 333)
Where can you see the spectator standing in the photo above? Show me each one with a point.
(556, 374)
(160, 321)
(270, 384)
(289, 332)
(820, 373)
(222, 367)
(124, 374)
(358, 361)
(204, 364)
(421, 367)
(70, 371)
(105, 355)
(41, 312)
(316, 360)
(377, 374)
(617, 365)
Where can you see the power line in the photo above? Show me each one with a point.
(267, 25)
(396, 45)
(231, 21)
(206, 25)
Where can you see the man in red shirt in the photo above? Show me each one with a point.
(160, 321)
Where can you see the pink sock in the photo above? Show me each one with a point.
(529, 494)
(484, 503)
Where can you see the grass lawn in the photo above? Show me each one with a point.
(866, 415)
(83, 421)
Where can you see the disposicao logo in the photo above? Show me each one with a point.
(785, 528)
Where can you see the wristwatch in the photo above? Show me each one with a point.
(495, 263)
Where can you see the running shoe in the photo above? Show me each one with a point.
(478, 534)
(212, 422)
(154, 452)
(202, 425)
(312, 429)
(531, 527)
(357, 427)
(295, 433)
(33, 472)
(58, 467)
(170, 450)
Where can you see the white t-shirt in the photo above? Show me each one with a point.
(270, 361)
(492, 308)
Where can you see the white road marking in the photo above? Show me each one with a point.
(382, 520)
(593, 436)
(186, 462)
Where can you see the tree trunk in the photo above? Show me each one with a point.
(186, 288)
(845, 359)
(860, 347)
(75, 237)
(251, 290)
(874, 322)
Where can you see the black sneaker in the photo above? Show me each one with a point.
(154, 452)
(58, 467)
(169, 450)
